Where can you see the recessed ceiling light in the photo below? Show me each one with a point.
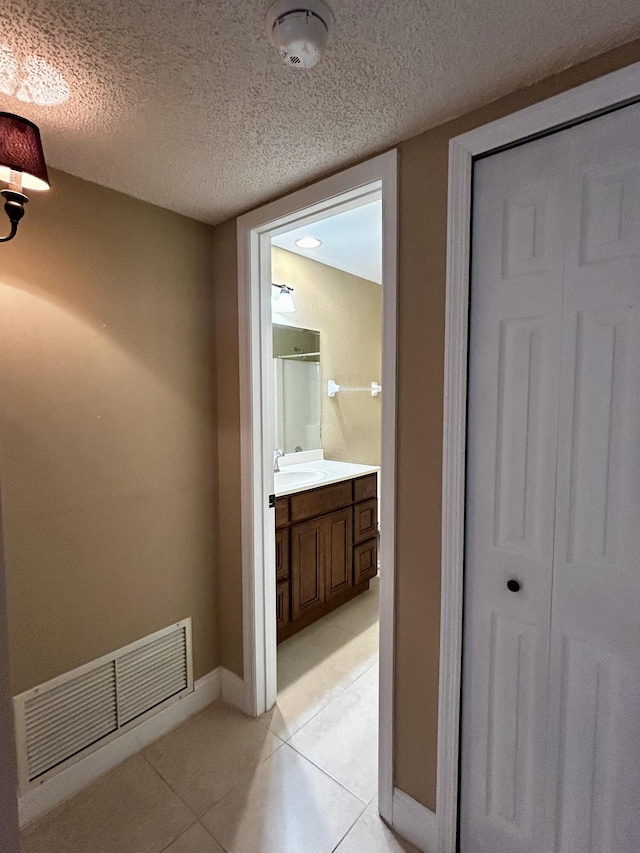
(308, 243)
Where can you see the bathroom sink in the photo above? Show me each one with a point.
(299, 477)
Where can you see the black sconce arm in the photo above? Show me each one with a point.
(14, 208)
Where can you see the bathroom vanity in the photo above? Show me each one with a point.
(326, 541)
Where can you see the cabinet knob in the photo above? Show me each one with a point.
(513, 585)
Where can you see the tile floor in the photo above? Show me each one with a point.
(301, 779)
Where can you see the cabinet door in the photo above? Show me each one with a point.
(365, 520)
(282, 604)
(338, 552)
(307, 567)
(365, 561)
(282, 554)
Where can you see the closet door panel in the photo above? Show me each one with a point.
(594, 778)
(515, 325)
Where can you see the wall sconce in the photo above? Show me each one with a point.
(22, 166)
(283, 301)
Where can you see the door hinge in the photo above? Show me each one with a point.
(272, 501)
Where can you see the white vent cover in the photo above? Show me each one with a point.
(63, 720)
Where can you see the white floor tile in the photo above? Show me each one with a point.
(289, 806)
(343, 741)
(315, 669)
(130, 810)
(207, 756)
(195, 840)
(370, 834)
(359, 614)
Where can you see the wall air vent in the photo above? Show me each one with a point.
(63, 720)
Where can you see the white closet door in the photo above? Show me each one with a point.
(516, 306)
(551, 673)
(594, 724)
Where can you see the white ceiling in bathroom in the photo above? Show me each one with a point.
(185, 103)
(351, 241)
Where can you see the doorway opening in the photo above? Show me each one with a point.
(328, 432)
(327, 335)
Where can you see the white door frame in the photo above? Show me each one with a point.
(585, 101)
(254, 231)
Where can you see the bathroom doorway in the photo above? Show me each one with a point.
(362, 188)
(327, 335)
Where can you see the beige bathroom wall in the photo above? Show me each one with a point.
(107, 435)
(421, 301)
(347, 311)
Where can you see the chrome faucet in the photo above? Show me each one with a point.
(276, 456)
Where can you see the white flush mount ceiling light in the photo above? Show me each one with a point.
(308, 243)
(32, 81)
(300, 32)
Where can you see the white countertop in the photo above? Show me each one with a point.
(311, 475)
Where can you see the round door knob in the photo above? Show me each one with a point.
(513, 585)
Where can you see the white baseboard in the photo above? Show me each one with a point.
(415, 822)
(68, 782)
(233, 690)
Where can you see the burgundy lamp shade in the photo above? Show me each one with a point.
(21, 151)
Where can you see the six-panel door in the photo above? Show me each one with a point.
(551, 671)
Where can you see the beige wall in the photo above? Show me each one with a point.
(421, 296)
(107, 440)
(8, 770)
(347, 311)
(225, 277)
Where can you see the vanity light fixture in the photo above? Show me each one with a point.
(283, 301)
(22, 166)
(308, 243)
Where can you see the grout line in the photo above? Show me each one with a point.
(329, 776)
(326, 773)
(188, 829)
(326, 705)
(347, 832)
(340, 690)
(173, 791)
(217, 841)
(241, 781)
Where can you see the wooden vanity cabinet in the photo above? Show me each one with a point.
(282, 577)
(326, 550)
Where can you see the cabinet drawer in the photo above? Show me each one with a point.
(320, 501)
(282, 554)
(365, 561)
(365, 487)
(282, 603)
(365, 521)
(282, 511)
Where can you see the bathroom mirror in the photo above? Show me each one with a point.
(296, 362)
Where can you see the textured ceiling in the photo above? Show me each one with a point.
(184, 103)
